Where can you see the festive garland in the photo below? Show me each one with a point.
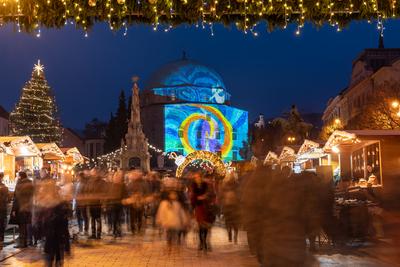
(30, 15)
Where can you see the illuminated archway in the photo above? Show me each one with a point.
(214, 159)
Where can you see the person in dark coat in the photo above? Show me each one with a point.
(3, 209)
(116, 193)
(96, 197)
(55, 221)
(201, 205)
(230, 206)
(81, 203)
(137, 191)
(22, 207)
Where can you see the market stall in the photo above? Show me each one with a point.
(25, 155)
(72, 157)
(368, 179)
(271, 159)
(368, 159)
(287, 157)
(52, 158)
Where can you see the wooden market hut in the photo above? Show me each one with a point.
(52, 157)
(309, 155)
(22, 155)
(287, 157)
(271, 158)
(368, 158)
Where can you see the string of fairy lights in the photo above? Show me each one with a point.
(247, 15)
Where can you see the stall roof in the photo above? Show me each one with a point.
(352, 137)
(287, 155)
(50, 151)
(21, 146)
(374, 132)
(72, 155)
(339, 137)
(306, 146)
(271, 157)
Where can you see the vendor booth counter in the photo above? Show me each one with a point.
(368, 159)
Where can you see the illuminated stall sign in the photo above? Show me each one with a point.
(216, 128)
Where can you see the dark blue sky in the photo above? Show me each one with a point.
(265, 74)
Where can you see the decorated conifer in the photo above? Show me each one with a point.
(35, 114)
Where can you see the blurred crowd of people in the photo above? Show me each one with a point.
(281, 211)
(284, 212)
(104, 201)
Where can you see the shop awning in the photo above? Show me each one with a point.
(20, 146)
(50, 151)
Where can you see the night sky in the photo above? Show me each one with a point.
(264, 74)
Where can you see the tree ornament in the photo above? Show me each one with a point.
(92, 3)
(121, 2)
(153, 2)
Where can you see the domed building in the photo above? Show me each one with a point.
(185, 107)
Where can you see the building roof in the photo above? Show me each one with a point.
(184, 73)
(374, 132)
(375, 58)
(22, 146)
(3, 113)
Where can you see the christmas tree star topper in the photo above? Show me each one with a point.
(39, 67)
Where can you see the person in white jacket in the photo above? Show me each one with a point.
(172, 217)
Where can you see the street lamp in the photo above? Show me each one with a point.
(291, 139)
(396, 105)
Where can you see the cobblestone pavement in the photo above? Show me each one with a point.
(150, 249)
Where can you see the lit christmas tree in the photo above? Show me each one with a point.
(35, 114)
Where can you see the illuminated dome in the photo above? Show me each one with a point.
(185, 81)
(185, 73)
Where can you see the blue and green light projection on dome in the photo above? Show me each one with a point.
(217, 128)
(197, 114)
(188, 81)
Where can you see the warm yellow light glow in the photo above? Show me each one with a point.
(337, 121)
(335, 149)
(38, 67)
(395, 104)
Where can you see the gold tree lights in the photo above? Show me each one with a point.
(35, 114)
(30, 15)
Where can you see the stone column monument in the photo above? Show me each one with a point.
(136, 153)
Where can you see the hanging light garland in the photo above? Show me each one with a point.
(30, 15)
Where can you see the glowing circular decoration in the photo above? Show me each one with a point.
(214, 159)
(227, 128)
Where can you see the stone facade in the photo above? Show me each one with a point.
(370, 70)
(136, 152)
